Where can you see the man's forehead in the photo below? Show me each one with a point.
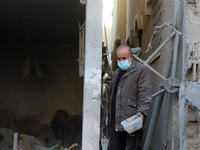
(123, 50)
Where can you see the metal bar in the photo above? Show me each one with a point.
(158, 93)
(154, 118)
(156, 72)
(175, 54)
(161, 46)
(15, 141)
(142, 61)
(153, 70)
(168, 25)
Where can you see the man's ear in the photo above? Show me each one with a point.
(131, 56)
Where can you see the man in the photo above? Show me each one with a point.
(130, 94)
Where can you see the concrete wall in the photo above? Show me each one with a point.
(92, 76)
(189, 121)
(59, 88)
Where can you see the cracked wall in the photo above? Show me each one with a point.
(192, 127)
(192, 63)
(189, 95)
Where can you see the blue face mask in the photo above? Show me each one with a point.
(124, 65)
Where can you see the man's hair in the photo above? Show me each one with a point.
(124, 46)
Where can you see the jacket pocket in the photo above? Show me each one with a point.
(132, 102)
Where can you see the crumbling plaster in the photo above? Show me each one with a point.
(189, 89)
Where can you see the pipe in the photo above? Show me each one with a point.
(158, 93)
(171, 27)
(154, 118)
(179, 15)
(156, 72)
(141, 61)
(15, 142)
(153, 70)
(175, 55)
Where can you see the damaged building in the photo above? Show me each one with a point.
(41, 91)
(57, 59)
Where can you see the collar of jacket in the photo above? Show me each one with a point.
(131, 69)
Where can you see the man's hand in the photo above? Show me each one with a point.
(140, 115)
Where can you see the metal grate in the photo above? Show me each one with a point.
(157, 20)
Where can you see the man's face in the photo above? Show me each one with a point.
(123, 54)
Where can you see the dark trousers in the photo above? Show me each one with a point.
(123, 141)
